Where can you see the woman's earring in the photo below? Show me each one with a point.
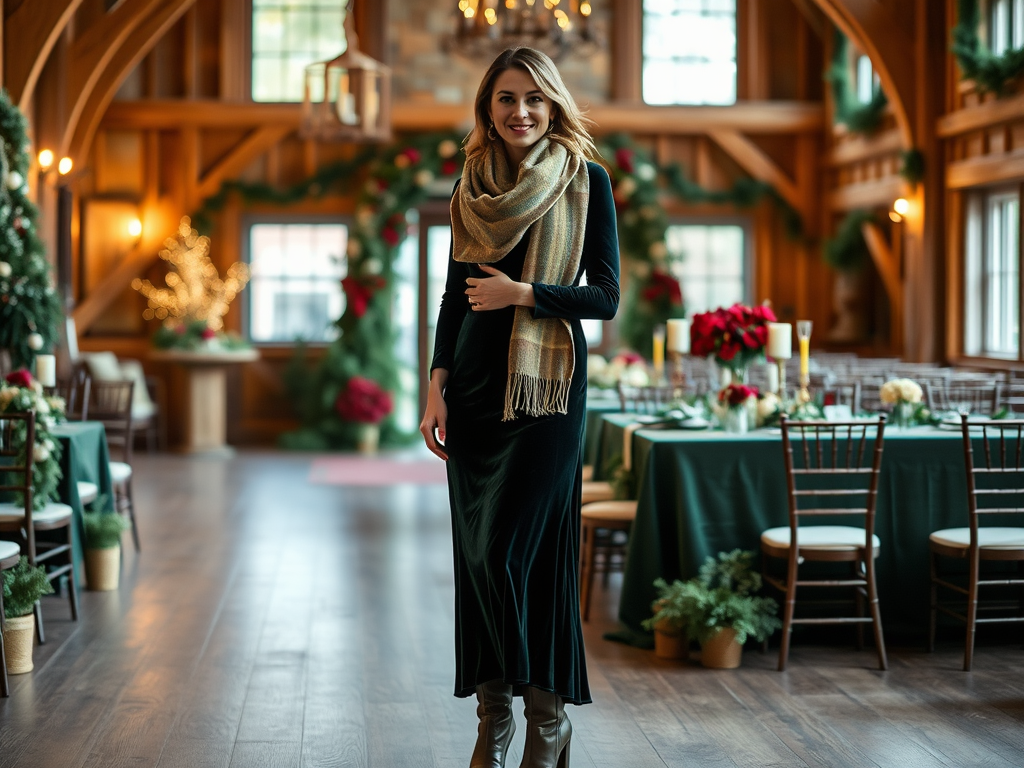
(551, 127)
(490, 133)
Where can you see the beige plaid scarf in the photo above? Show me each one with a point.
(491, 212)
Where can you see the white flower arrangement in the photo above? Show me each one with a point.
(768, 405)
(625, 368)
(23, 394)
(901, 391)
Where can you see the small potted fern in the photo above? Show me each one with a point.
(722, 611)
(103, 549)
(669, 621)
(23, 585)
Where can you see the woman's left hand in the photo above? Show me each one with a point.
(498, 291)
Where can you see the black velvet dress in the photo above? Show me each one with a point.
(515, 486)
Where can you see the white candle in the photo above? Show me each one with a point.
(773, 378)
(780, 341)
(678, 336)
(46, 370)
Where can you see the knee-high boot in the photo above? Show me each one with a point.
(496, 728)
(548, 731)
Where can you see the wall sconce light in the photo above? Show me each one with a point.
(135, 229)
(899, 209)
(45, 159)
(64, 166)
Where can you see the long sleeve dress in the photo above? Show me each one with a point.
(514, 486)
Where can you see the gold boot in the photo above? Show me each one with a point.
(494, 734)
(548, 730)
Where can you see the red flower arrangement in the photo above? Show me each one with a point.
(19, 378)
(663, 286)
(358, 292)
(735, 336)
(362, 400)
(735, 395)
(624, 159)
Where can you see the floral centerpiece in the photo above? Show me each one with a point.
(733, 406)
(627, 367)
(735, 337)
(904, 395)
(196, 336)
(364, 402)
(20, 393)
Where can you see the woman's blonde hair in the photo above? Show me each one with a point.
(569, 126)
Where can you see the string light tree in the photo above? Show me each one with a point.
(30, 308)
(192, 308)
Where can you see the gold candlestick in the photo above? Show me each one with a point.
(803, 334)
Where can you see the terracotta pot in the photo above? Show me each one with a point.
(722, 651)
(103, 568)
(368, 440)
(19, 635)
(671, 645)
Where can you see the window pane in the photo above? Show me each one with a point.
(973, 266)
(689, 51)
(286, 36)
(439, 243)
(1001, 277)
(709, 262)
(295, 291)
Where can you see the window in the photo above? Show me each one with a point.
(867, 81)
(992, 275)
(295, 291)
(710, 263)
(689, 51)
(287, 35)
(1005, 25)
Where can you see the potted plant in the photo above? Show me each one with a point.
(669, 621)
(720, 610)
(23, 585)
(103, 549)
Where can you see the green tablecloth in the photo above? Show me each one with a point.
(598, 404)
(85, 458)
(704, 492)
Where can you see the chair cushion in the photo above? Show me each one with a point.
(990, 538)
(834, 537)
(596, 490)
(609, 510)
(104, 366)
(51, 513)
(119, 471)
(87, 492)
(588, 472)
(8, 549)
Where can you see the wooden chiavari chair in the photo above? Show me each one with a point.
(111, 403)
(995, 487)
(832, 473)
(977, 397)
(1011, 396)
(21, 522)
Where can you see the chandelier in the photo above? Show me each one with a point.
(484, 28)
(347, 98)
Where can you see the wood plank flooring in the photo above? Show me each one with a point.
(270, 622)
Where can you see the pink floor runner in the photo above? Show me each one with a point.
(377, 470)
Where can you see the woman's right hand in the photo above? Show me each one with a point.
(435, 416)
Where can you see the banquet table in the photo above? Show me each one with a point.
(599, 402)
(703, 492)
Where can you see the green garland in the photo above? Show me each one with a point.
(912, 166)
(993, 74)
(21, 397)
(847, 251)
(653, 295)
(30, 310)
(857, 117)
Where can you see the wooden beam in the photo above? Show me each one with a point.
(256, 143)
(981, 116)
(755, 162)
(884, 261)
(141, 41)
(30, 33)
(856, 149)
(870, 194)
(769, 117)
(91, 55)
(988, 169)
(627, 50)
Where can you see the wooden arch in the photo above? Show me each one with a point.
(30, 33)
(876, 30)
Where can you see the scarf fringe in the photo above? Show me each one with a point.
(532, 396)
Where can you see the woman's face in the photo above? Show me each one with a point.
(520, 112)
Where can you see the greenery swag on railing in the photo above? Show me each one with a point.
(857, 117)
(993, 74)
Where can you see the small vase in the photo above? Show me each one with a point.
(903, 414)
(735, 420)
(368, 440)
(103, 568)
(19, 633)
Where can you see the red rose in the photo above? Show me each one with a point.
(413, 155)
(20, 378)
(357, 295)
(208, 333)
(737, 394)
(624, 159)
(728, 350)
(390, 236)
(449, 167)
(363, 400)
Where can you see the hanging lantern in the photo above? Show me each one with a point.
(349, 97)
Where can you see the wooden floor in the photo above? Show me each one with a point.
(269, 622)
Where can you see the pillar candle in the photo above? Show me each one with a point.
(659, 350)
(780, 341)
(46, 370)
(773, 378)
(805, 357)
(678, 336)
